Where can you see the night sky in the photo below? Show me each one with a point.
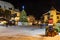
(36, 7)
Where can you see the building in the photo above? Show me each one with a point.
(31, 19)
(15, 16)
(45, 16)
(37, 22)
(52, 14)
(6, 5)
(8, 12)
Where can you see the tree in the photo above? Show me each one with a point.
(23, 17)
(58, 27)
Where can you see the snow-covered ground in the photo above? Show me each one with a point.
(14, 30)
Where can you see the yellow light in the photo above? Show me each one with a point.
(39, 22)
(30, 23)
(35, 22)
(16, 18)
(12, 18)
(28, 19)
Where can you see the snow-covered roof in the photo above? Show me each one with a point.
(6, 5)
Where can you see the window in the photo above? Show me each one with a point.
(10, 8)
(7, 11)
(57, 17)
(51, 15)
(58, 21)
(0, 6)
(57, 13)
(48, 16)
(13, 15)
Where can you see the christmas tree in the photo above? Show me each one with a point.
(23, 16)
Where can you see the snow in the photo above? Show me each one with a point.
(14, 30)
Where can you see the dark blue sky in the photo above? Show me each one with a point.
(36, 7)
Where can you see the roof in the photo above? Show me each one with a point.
(6, 5)
(52, 8)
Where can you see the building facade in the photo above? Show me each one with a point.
(6, 5)
(31, 19)
(52, 14)
(8, 12)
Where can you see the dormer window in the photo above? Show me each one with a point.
(57, 17)
(10, 8)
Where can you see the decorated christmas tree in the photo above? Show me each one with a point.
(23, 16)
